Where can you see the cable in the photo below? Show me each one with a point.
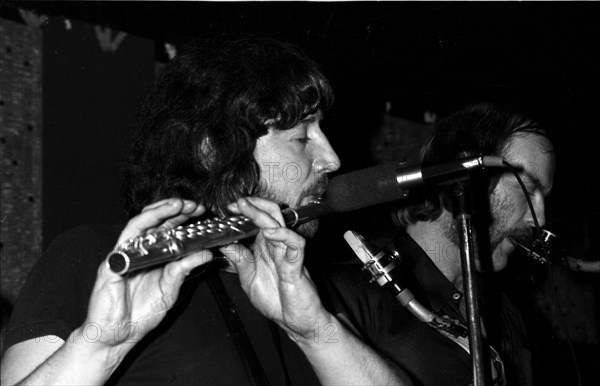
(545, 252)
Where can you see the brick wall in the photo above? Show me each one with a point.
(21, 147)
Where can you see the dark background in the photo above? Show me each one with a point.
(416, 56)
(395, 59)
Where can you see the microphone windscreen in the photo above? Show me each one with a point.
(364, 188)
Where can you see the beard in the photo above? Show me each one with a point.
(495, 254)
(501, 209)
(310, 228)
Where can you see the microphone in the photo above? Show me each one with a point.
(390, 182)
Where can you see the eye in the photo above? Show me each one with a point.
(302, 140)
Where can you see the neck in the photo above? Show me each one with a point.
(436, 238)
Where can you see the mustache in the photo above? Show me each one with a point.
(318, 188)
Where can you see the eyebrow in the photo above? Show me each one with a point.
(536, 181)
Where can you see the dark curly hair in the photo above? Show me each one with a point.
(198, 127)
(477, 129)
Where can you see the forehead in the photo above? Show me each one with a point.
(535, 155)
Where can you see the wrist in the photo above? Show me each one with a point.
(98, 353)
(323, 331)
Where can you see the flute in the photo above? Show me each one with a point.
(165, 245)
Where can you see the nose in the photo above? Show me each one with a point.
(539, 208)
(326, 161)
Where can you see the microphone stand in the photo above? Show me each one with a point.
(462, 211)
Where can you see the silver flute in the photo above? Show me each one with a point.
(165, 245)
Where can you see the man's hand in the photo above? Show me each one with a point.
(121, 310)
(273, 274)
(125, 308)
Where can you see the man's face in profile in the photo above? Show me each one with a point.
(512, 217)
(294, 164)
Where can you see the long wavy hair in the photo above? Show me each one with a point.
(477, 129)
(198, 127)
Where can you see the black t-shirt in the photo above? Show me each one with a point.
(428, 357)
(192, 345)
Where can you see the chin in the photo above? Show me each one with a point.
(500, 255)
(500, 264)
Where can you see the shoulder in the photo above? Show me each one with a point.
(92, 234)
(83, 241)
(74, 254)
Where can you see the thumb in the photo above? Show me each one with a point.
(177, 271)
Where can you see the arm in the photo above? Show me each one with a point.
(344, 359)
(49, 360)
(133, 306)
(275, 279)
